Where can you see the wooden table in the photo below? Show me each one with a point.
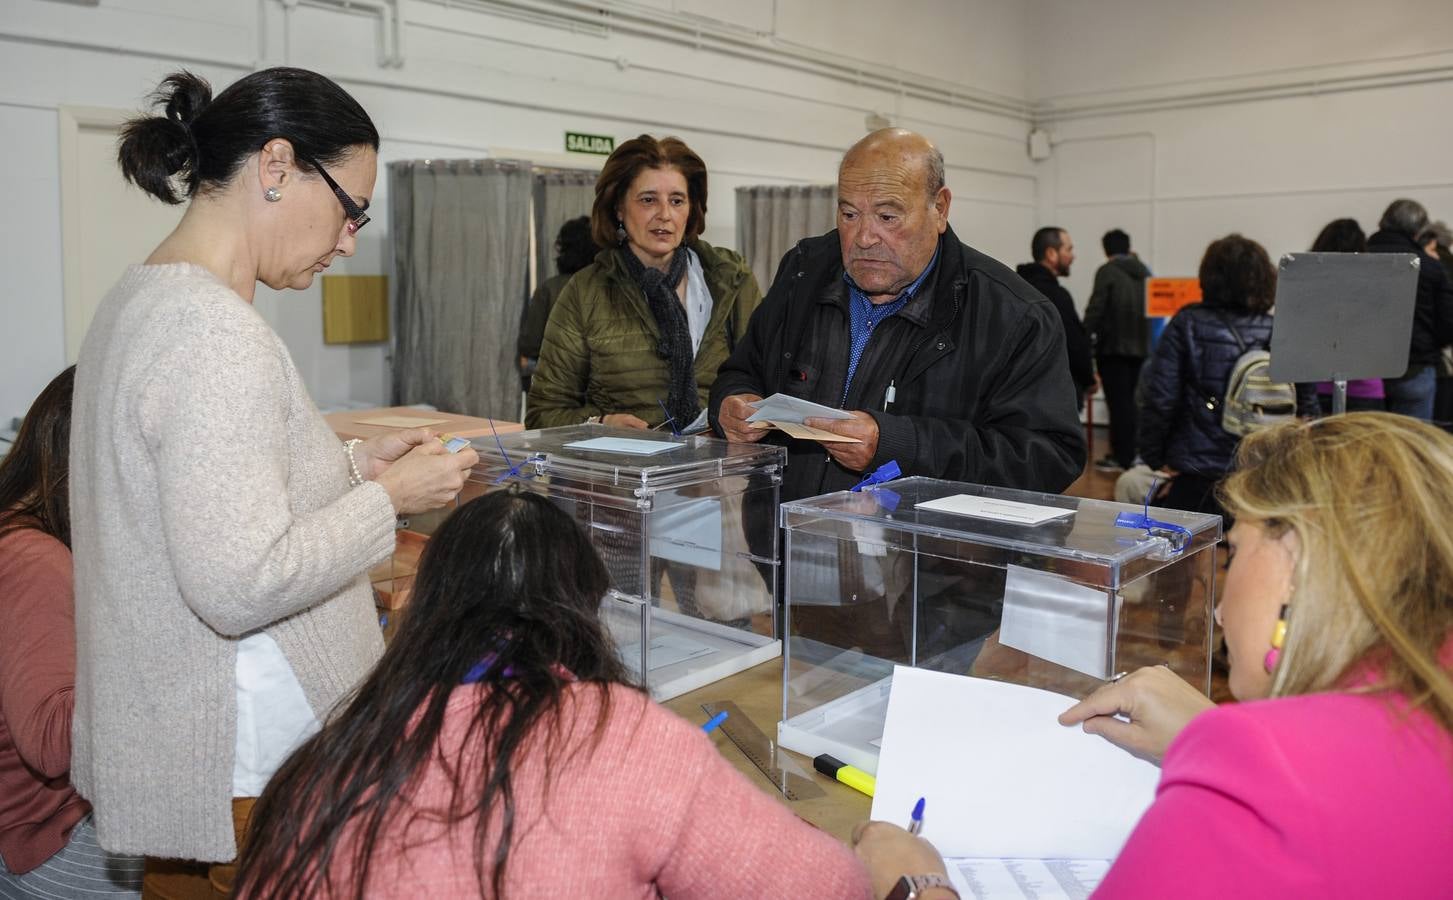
(757, 692)
(345, 424)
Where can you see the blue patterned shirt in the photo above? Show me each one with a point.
(864, 316)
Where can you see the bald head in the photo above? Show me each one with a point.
(892, 207)
(900, 148)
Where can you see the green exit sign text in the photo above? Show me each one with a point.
(599, 144)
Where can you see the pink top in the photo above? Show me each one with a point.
(38, 806)
(1324, 795)
(650, 807)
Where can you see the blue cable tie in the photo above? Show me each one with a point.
(514, 470)
(886, 472)
(1178, 535)
(670, 419)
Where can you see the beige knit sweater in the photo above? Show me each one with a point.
(208, 500)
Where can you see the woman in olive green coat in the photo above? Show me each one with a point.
(637, 336)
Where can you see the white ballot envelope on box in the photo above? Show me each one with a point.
(1053, 618)
(1000, 776)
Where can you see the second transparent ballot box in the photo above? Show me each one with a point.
(686, 525)
(1052, 592)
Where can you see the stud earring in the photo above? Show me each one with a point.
(1278, 637)
(272, 195)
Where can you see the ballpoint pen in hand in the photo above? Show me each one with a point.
(915, 824)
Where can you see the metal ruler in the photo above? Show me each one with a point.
(791, 779)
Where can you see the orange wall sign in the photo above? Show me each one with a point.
(1165, 296)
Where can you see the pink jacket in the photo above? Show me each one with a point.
(651, 806)
(1325, 795)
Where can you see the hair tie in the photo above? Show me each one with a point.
(194, 151)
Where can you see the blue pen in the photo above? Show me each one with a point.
(915, 824)
(714, 721)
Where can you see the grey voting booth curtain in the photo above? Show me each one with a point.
(560, 195)
(772, 218)
(461, 272)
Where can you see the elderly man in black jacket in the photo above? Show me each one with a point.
(949, 362)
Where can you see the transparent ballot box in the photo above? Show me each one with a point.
(687, 524)
(1052, 592)
(671, 653)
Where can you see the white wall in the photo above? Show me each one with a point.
(32, 323)
(778, 102)
(1178, 122)
(1184, 122)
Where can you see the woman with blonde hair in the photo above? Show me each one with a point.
(1338, 616)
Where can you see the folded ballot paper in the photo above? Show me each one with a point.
(788, 414)
(1001, 778)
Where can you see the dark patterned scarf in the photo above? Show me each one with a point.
(675, 344)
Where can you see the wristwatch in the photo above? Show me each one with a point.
(910, 887)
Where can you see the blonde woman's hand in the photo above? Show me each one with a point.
(1154, 704)
(427, 477)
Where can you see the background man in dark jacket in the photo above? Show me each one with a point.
(1120, 333)
(1053, 252)
(1397, 232)
(948, 361)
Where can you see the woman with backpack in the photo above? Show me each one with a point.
(1183, 423)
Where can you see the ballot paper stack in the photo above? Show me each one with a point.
(1019, 805)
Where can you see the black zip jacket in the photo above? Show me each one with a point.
(981, 387)
(1077, 341)
(1433, 314)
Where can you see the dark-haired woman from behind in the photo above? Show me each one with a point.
(499, 751)
(1184, 385)
(222, 531)
(47, 839)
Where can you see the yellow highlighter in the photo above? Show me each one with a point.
(851, 776)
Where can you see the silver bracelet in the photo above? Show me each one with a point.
(354, 477)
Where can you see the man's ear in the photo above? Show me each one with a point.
(941, 202)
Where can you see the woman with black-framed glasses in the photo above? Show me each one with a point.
(221, 532)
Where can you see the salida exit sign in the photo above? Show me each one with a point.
(599, 144)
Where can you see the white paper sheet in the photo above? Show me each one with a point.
(689, 533)
(625, 445)
(400, 421)
(1002, 778)
(1055, 619)
(666, 650)
(1026, 879)
(782, 408)
(998, 510)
